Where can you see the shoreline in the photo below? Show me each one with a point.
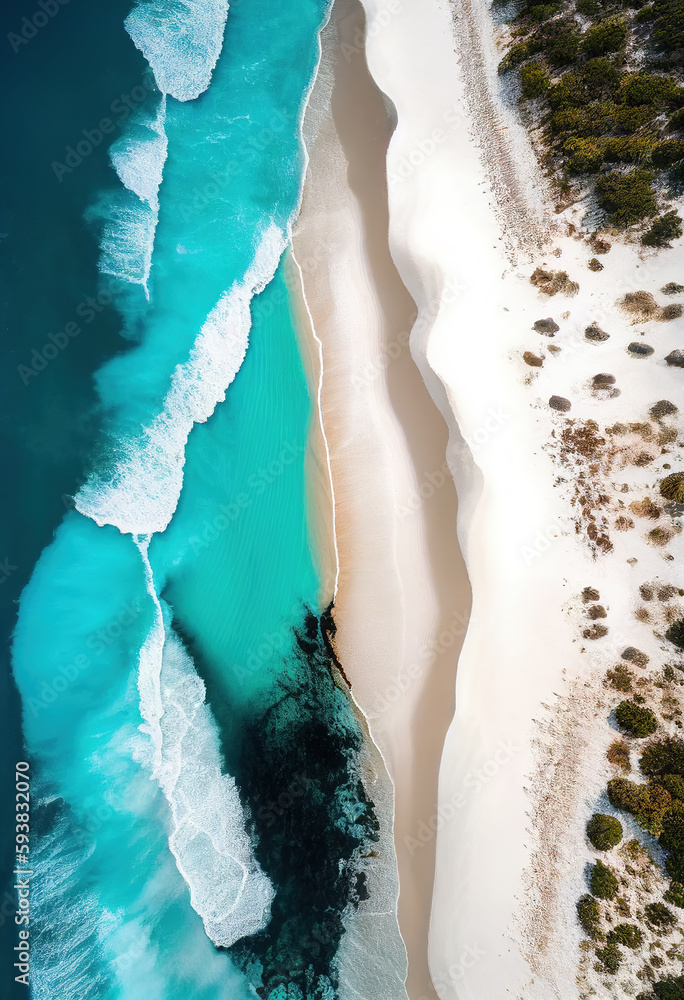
(395, 500)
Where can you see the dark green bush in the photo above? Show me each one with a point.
(585, 156)
(647, 803)
(668, 29)
(628, 149)
(646, 88)
(610, 957)
(600, 77)
(671, 988)
(674, 784)
(535, 80)
(589, 914)
(676, 121)
(675, 633)
(659, 915)
(628, 934)
(518, 54)
(667, 153)
(664, 756)
(635, 719)
(627, 795)
(608, 36)
(568, 92)
(604, 884)
(604, 831)
(665, 228)
(628, 198)
(675, 894)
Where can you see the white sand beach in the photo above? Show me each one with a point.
(466, 236)
(402, 583)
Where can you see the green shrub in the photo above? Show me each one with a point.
(628, 198)
(629, 149)
(589, 914)
(665, 228)
(635, 720)
(604, 831)
(667, 153)
(674, 784)
(668, 29)
(560, 41)
(671, 988)
(628, 934)
(664, 756)
(535, 80)
(600, 77)
(610, 957)
(675, 894)
(627, 795)
(568, 92)
(645, 88)
(647, 803)
(518, 54)
(659, 915)
(585, 156)
(608, 36)
(604, 884)
(675, 634)
(676, 121)
(672, 840)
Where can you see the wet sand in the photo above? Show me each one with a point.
(402, 582)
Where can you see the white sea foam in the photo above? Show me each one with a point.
(142, 493)
(139, 155)
(212, 850)
(130, 217)
(181, 41)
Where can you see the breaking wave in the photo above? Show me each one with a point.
(141, 494)
(181, 41)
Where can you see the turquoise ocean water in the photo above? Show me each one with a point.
(198, 814)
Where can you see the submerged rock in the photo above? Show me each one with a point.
(532, 360)
(675, 358)
(603, 379)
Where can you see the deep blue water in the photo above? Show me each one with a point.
(172, 642)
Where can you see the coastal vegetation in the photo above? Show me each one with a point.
(603, 81)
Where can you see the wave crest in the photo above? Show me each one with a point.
(181, 41)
